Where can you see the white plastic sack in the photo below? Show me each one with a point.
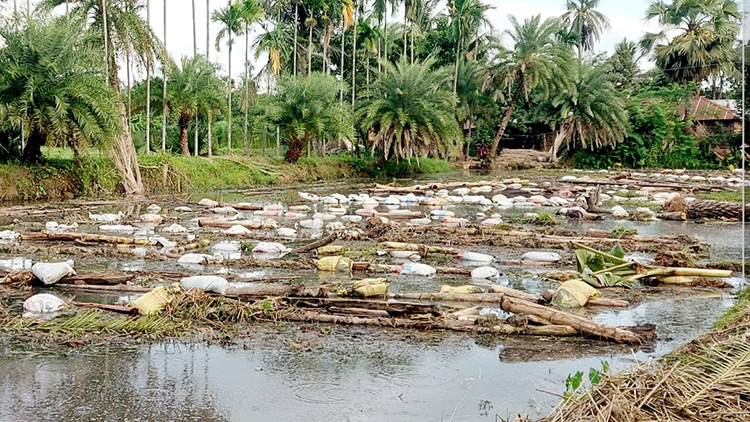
(225, 210)
(351, 218)
(183, 209)
(208, 283)
(619, 212)
(51, 272)
(238, 231)
(54, 226)
(208, 203)
(106, 218)
(270, 247)
(286, 232)
(117, 228)
(485, 273)
(9, 235)
(413, 268)
(541, 257)
(43, 303)
(153, 209)
(175, 229)
(152, 218)
(315, 224)
(476, 257)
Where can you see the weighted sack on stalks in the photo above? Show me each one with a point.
(43, 303)
(334, 263)
(51, 272)
(413, 268)
(208, 283)
(574, 294)
(155, 300)
(467, 289)
(369, 287)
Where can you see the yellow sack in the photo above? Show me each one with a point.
(574, 294)
(334, 263)
(155, 300)
(370, 287)
(467, 289)
(329, 250)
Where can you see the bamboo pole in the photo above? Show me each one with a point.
(86, 237)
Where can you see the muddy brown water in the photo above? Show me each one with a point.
(291, 372)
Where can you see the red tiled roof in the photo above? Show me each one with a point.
(703, 109)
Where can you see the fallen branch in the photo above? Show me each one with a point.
(86, 237)
(113, 308)
(222, 224)
(317, 244)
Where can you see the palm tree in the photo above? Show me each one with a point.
(149, 67)
(370, 36)
(53, 87)
(251, 13)
(307, 108)
(275, 43)
(592, 113)
(705, 43)
(164, 86)
(586, 23)
(231, 17)
(535, 62)
(192, 86)
(624, 63)
(120, 28)
(468, 16)
(410, 113)
(195, 54)
(347, 20)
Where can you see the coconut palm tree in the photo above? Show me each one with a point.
(53, 87)
(467, 17)
(536, 61)
(307, 108)
(149, 67)
(119, 29)
(410, 112)
(585, 22)
(192, 86)
(370, 38)
(592, 114)
(704, 44)
(231, 19)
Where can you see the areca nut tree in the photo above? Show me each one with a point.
(583, 20)
(704, 44)
(535, 62)
(408, 113)
(306, 109)
(467, 17)
(592, 113)
(193, 86)
(252, 12)
(125, 30)
(53, 86)
(232, 24)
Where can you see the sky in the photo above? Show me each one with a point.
(626, 18)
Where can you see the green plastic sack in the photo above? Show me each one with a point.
(335, 264)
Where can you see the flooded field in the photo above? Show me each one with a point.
(323, 372)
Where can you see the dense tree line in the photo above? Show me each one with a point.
(403, 79)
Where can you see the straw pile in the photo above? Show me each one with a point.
(708, 381)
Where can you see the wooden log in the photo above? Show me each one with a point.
(394, 309)
(109, 277)
(417, 247)
(581, 324)
(86, 237)
(318, 243)
(517, 294)
(395, 215)
(243, 206)
(359, 312)
(427, 324)
(450, 297)
(221, 224)
(114, 308)
(118, 288)
(676, 216)
(278, 290)
(594, 301)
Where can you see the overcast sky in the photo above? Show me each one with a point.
(626, 17)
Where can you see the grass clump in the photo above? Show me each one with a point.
(541, 218)
(738, 311)
(723, 195)
(623, 231)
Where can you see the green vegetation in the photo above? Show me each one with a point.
(738, 311)
(724, 195)
(341, 77)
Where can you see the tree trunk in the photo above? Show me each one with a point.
(130, 103)
(411, 31)
(504, 123)
(296, 23)
(229, 95)
(123, 152)
(404, 56)
(164, 84)
(557, 143)
(208, 30)
(354, 57)
(195, 54)
(247, 86)
(326, 43)
(343, 38)
(458, 57)
(385, 38)
(309, 52)
(210, 141)
(184, 125)
(148, 86)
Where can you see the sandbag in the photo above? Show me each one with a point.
(238, 230)
(476, 257)
(155, 300)
(541, 257)
(51, 272)
(414, 268)
(467, 289)
(329, 249)
(198, 258)
(334, 263)
(43, 303)
(175, 229)
(208, 283)
(485, 273)
(286, 232)
(270, 247)
(574, 294)
(369, 287)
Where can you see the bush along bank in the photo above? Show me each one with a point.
(62, 178)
